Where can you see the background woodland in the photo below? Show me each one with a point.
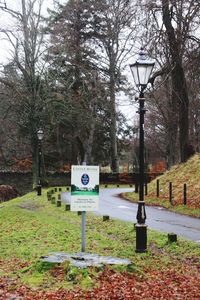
(68, 73)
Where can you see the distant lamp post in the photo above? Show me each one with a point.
(141, 71)
(40, 135)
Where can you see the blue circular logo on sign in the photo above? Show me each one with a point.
(85, 179)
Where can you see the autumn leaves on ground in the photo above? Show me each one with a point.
(32, 227)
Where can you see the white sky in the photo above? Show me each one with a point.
(6, 21)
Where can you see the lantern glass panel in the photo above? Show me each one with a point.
(40, 134)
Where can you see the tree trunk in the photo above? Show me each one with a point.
(88, 146)
(178, 83)
(113, 126)
(58, 144)
(171, 147)
(172, 130)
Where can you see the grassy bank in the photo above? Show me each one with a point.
(32, 227)
(164, 202)
(179, 175)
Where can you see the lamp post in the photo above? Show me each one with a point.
(141, 71)
(40, 135)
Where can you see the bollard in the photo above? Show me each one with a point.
(106, 218)
(172, 237)
(157, 188)
(67, 207)
(184, 194)
(106, 186)
(60, 189)
(55, 189)
(59, 196)
(67, 188)
(48, 195)
(58, 203)
(53, 200)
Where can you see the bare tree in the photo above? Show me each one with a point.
(170, 28)
(27, 45)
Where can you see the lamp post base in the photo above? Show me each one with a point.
(141, 238)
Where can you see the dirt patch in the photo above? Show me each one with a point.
(30, 205)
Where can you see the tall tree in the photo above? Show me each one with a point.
(179, 86)
(115, 36)
(26, 41)
(76, 74)
(169, 25)
(95, 37)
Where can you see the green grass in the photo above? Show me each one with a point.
(32, 227)
(153, 201)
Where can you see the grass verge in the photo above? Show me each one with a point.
(32, 227)
(163, 202)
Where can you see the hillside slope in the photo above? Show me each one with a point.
(186, 173)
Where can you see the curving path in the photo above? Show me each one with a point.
(157, 218)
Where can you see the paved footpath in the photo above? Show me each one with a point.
(157, 218)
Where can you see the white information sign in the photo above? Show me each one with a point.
(84, 188)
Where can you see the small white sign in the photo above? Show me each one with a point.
(84, 188)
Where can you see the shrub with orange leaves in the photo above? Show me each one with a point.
(23, 164)
(7, 192)
(65, 168)
(159, 167)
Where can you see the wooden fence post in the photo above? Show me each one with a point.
(170, 193)
(184, 194)
(157, 188)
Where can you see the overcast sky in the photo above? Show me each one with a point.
(6, 21)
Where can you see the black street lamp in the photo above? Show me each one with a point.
(40, 135)
(141, 71)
